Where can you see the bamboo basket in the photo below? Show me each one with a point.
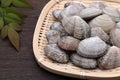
(39, 41)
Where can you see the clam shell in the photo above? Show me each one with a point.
(74, 3)
(76, 26)
(92, 47)
(72, 10)
(90, 13)
(113, 13)
(98, 31)
(55, 53)
(103, 21)
(52, 36)
(58, 27)
(56, 14)
(115, 37)
(98, 5)
(68, 43)
(83, 62)
(111, 59)
(68, 24)
(82, 29)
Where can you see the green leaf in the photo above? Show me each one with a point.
(2, 12)
(13, 18)
(12, 15)
(21, 4)
(14, 38)
(1, 23)
(15, 26)
(6, 3)
(4, 32)
(13, 10)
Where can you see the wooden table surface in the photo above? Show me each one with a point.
(22, 65)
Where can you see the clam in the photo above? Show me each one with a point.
(56, 14)
(74, 3)
(90, 13)
(113, 13)
(55, 53)
(92, 47)
(111, 60)
(68, 43)
(98, 5)
(58, 27)
(72, 10)
(98, 31)
(82, 29)
(115, 37)
(76, 26)
(118, 25)
(68, 24)
(52, 36)
(103, 21)
(83, 62)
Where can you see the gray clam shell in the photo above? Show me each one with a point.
(82, 29)
(98, 5)
(115, 37)
(55, 53)
(111, 60)
(74, 3)
(68, 43)
(52, 36)
(83, 62)
(56, 14)
(68, 24)
(113, 13)
(92, 47)
(76, 27)
(58, 27)
(98, 31)
(104, 21)
(72, 10)
(90, 13)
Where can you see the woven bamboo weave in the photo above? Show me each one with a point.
(39, 41)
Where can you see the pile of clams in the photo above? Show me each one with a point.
(89, 37)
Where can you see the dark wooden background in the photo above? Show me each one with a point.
(22, 65)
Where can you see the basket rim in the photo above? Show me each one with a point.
(50, 68)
